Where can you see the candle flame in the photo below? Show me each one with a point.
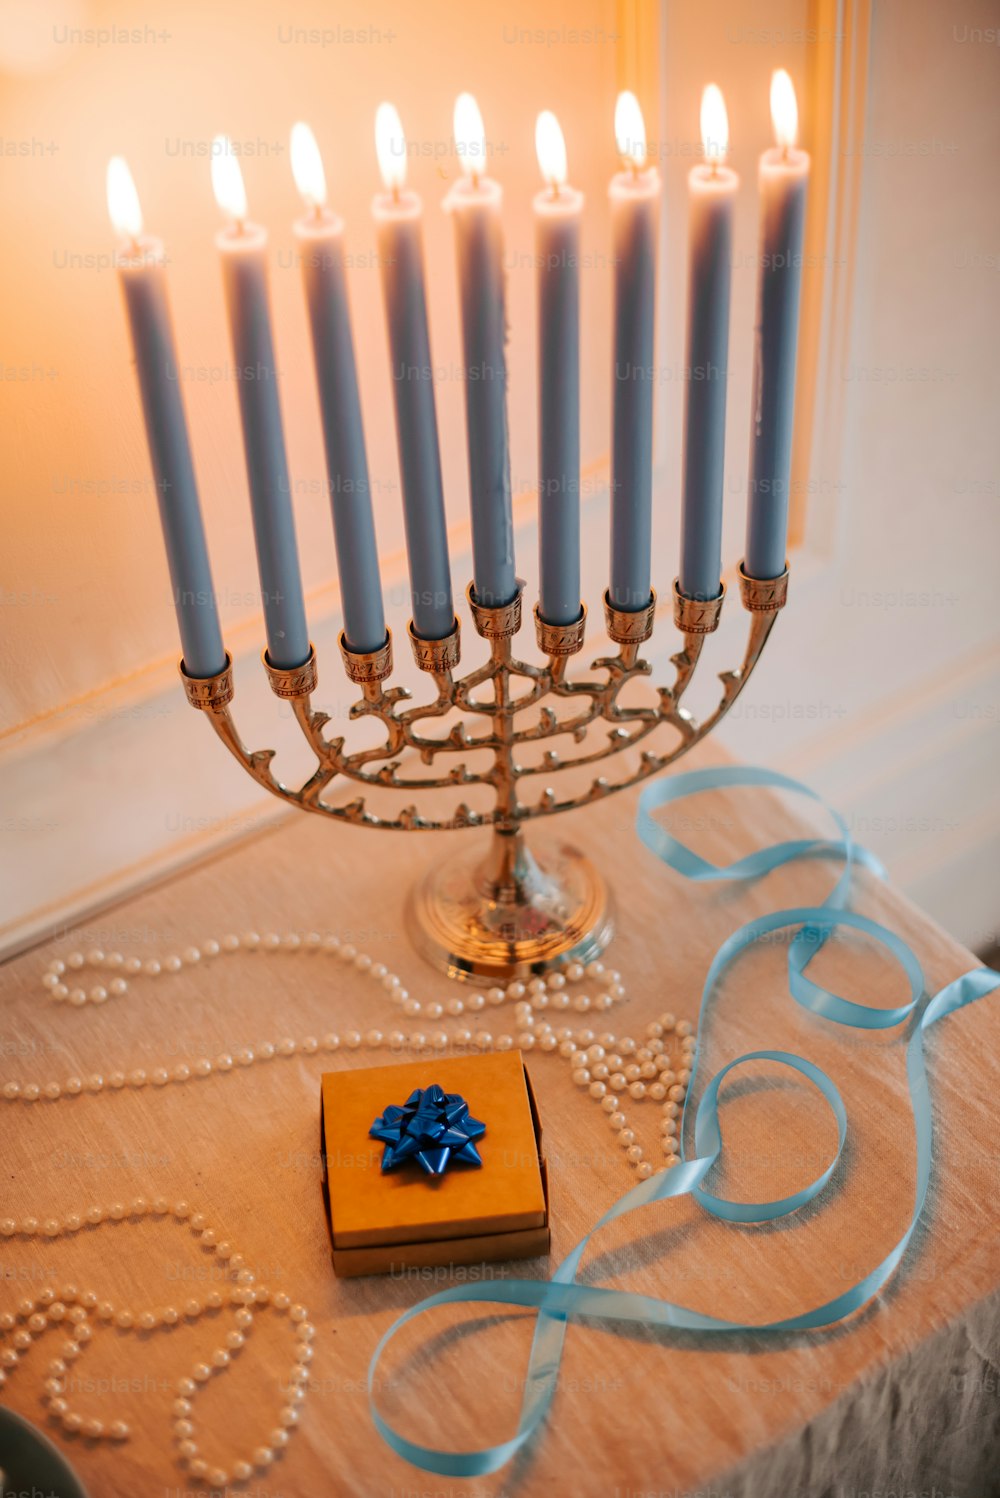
(784, 109)
(714, 124)
(307, 166)
(630, 131)
(550, 147)
(470, 136)
(227, 180)
(390, 147)
(123, 200)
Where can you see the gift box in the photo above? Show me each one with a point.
(388, 1221)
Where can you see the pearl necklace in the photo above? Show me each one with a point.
(73, 1311)
(607, 1065)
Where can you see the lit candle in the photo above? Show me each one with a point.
(635, 204)
(783, 177)
(144, 284)
(398, 215)
(712, 193)
(558, 212)
(243, 248)
(474, 202)
(320, 234)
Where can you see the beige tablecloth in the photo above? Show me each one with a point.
(902, 1398)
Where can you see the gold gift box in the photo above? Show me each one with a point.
(384, 1223)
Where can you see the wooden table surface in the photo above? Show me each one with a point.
(889, 1396)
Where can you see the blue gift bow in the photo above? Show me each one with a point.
(561, 1298)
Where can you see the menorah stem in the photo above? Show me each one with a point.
(503, 728)
(508, 875)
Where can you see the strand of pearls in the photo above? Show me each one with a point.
(73, 1312)
(454, 1006)
(608, 1065)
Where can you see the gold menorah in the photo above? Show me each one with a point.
(508, 913)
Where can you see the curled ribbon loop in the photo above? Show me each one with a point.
(562, 1299)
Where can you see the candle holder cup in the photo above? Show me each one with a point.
(511, 910)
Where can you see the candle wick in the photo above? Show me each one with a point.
(318, 212)
(784, 151)
(395, 192)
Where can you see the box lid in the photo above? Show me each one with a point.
(406, 1205)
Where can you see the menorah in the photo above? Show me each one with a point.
(503, 912)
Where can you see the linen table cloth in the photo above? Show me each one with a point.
(902, 1398)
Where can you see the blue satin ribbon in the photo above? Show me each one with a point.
(562, 1299)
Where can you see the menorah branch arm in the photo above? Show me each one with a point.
(213, 695)
(763, 598)
(531, 914)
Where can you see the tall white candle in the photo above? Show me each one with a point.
(474, 203)
(711, 195)
(558, 213)
(783, 178)
(635, 205)
(143, 281)
(398, 215)
(243, 250)
(320, 236)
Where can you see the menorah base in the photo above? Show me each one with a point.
(511, 915)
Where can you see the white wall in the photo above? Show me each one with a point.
(894, 648)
